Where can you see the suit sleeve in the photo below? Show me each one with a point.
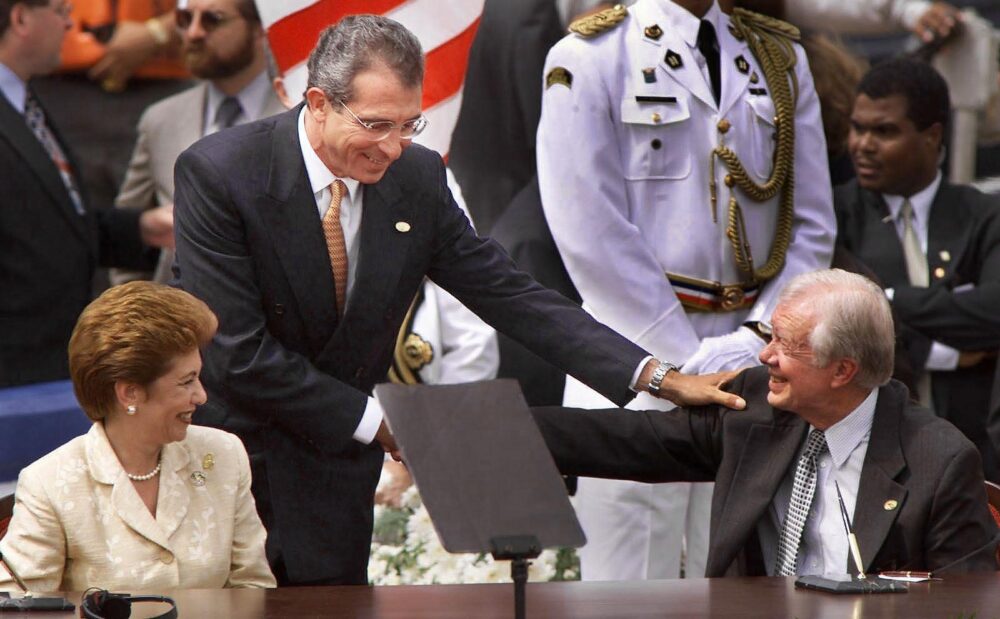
(965, 319)
(249, 566)
(35, 544)
(483, 277)
(961, 534)
(255, 371)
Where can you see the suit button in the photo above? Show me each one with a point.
(167, 557)
(279, 309)
(656, 144)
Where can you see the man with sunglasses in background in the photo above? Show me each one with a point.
(308, 234)
(223, 43)
(52, 237)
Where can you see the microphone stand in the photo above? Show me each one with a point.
(29, 602)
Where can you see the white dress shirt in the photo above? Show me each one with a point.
(941, 356)
(13, 88)
(824, 546)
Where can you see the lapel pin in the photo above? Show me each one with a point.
(890, 505)
(742, 65)
(402, 226)
(653, 32)
(939, 272)
(208, 462)
(673, 59)
(754, 78)
(649, 75)
(945, 255)
(198, 478)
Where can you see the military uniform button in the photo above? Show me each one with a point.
(656, 144)
(656, 117)
(939, 272)
(729, 180)
(724, 126)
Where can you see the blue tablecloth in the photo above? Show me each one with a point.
(34, 420)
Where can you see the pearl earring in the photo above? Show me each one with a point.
(131, 409)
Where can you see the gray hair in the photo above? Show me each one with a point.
(357, 43)
(853, 320)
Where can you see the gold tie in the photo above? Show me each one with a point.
(916, 261)
(335, 243)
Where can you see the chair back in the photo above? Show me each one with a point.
(7, 510)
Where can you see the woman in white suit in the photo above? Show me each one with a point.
(144, 500)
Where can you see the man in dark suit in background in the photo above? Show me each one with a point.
(823, 419)
(51, 239)
(308, 234)
(933, 245)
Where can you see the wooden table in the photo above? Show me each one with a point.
(958, 596)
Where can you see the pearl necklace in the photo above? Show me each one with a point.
(147, 476)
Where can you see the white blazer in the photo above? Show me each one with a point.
(79, 522)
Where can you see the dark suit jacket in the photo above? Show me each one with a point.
(964, 227)
(48, 255)
(288, 375)
(941, 523)
(493, 146)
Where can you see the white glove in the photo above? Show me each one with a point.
(732, 351)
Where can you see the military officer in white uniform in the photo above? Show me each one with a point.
(680, 209)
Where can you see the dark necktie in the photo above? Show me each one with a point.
(227, 113)
(803, 489)
(708, 45)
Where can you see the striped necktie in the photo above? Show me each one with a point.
(35, 118)
(803, 489)
(335, 243)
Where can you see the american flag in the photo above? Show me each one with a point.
(445, 29)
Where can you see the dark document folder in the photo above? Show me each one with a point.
(481, 465)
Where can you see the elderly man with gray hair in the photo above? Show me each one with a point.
(308, 234)
(823, 421)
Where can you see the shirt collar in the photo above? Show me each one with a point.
(252, 98)
(319, 175)
(13, 88)
(921, 202)
(843, 437)
(685, 24)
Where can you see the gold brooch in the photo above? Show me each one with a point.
(208, 462)
(417, 351)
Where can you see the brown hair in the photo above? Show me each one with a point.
(836, 73)
(133, 333)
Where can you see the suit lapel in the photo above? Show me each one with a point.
(174, 497)
(883, 251)
(125, 501)
(948, 232)
(767, 454)
(874, 513)
(16, 131)
(289, 209)
(384, 248)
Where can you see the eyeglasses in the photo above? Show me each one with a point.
(381, 129)
(210, 20)
(62, 10)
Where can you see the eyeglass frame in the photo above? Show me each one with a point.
(63, 11)
(419, 124)
(216, 21)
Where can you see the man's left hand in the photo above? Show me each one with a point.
(157, 226)
(685, 390)
(130, 46)
(937, 22)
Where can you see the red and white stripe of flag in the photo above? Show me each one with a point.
(445, 29)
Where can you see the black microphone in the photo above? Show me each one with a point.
(29, 602)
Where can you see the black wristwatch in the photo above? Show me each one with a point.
(658, 375)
